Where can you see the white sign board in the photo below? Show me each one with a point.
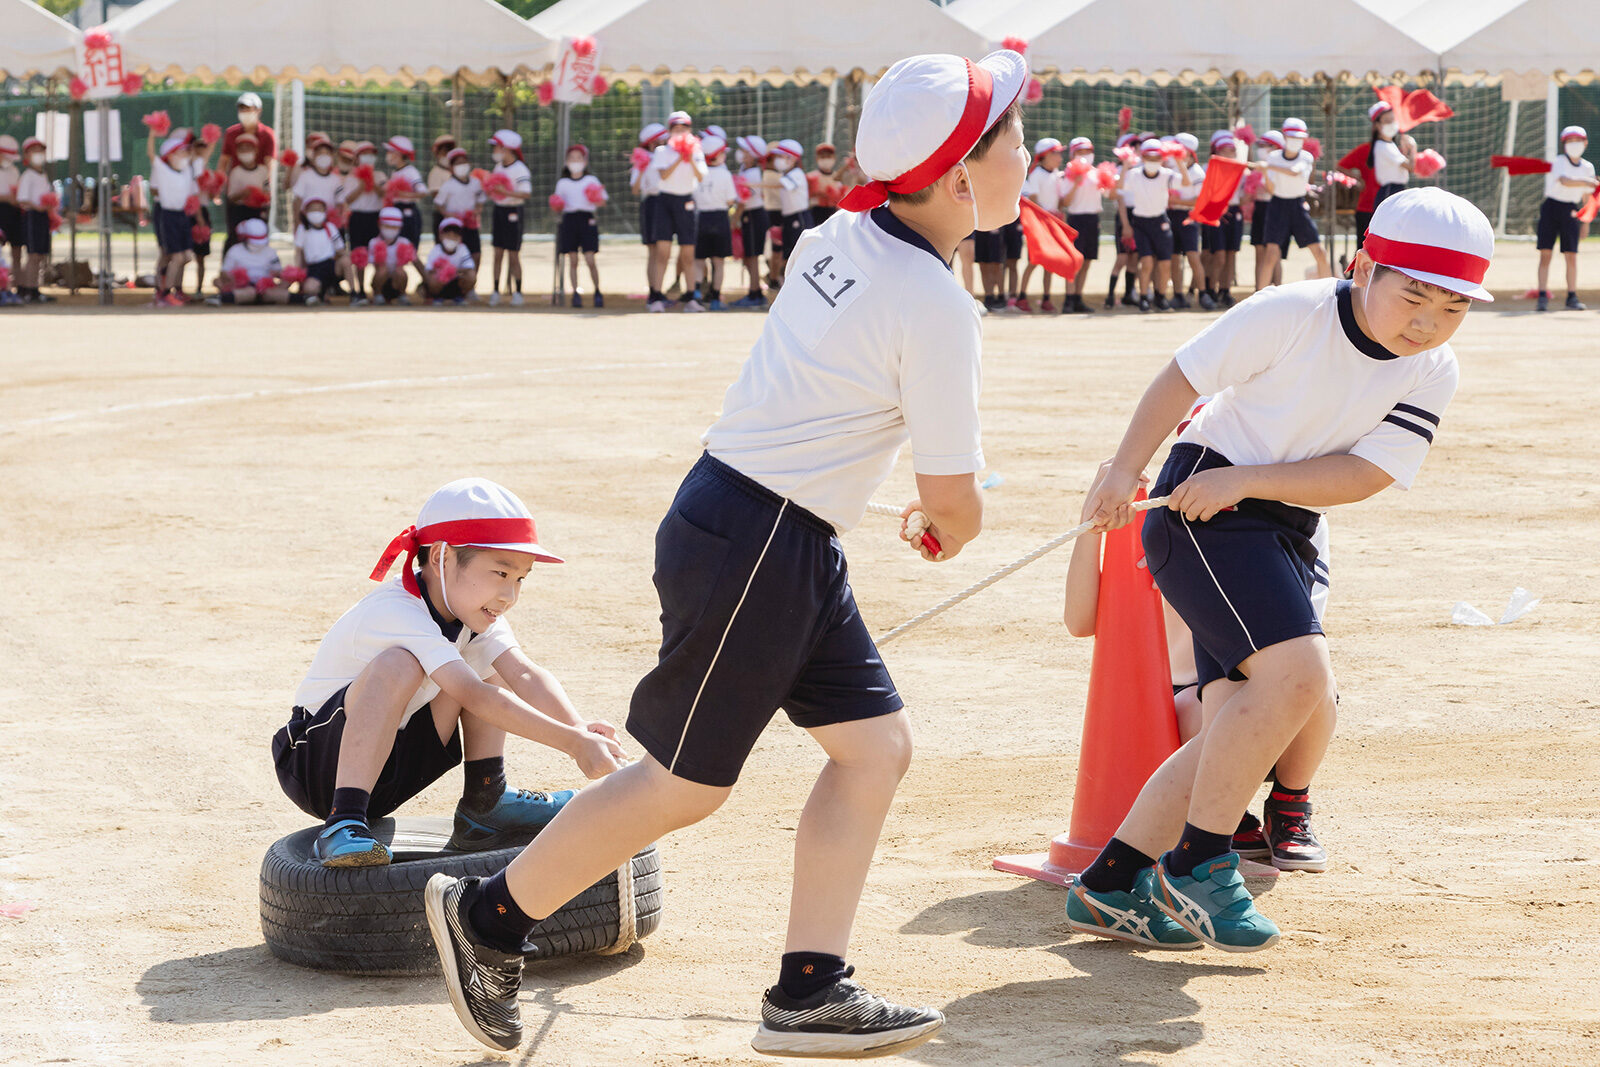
(91, 136)
(54, 128)
(574, 74)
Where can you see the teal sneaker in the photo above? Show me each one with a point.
(349, 843)
(1131, 917)
(1213, 905)
(515, 817)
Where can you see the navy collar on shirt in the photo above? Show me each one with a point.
(1352, 329)
(451, 630)
(891, 224)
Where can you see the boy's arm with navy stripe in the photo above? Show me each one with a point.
(1400, 443)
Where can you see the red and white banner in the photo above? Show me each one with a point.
(576, 67)
(101, 70)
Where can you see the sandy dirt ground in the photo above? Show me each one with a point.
(186, 509)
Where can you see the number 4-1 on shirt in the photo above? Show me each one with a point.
(832, 284)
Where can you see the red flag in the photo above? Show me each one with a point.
(1521, 164)
(1124, 119)
(1590, 207)
(1222, 178)
(1414, 108)
(1050, 241)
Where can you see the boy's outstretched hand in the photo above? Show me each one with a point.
(597, 752)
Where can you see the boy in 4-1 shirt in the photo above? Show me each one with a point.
(1288, 174)
(1323, 392)
(508, 209)
(871, 343)
(1571, 180)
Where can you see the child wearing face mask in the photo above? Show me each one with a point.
(508, 212)
(389, 252)
(1571, 180)
(754, 222)
(579, 194)
(1081, 197)
(1186, 233)
(321, 252)
(172, 182)
(1260, 204)
(451, 271)
(1145, 196)
(33, 185)
(319, 179)
(262, 271)
(1127, 261)
(459, 198)
(826, 188)
(10, 213)
(1220, 244)
(1043, 187)
(714, 235)
(364, 197)
(1288, 175)
(200, 221)
(247, 192)
(249, 124)
(405, 186)
(439, 173)
(794, 195)
(1392, 155)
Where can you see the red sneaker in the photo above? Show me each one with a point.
(1047, 307)
(1021, 304)
(1249, 841)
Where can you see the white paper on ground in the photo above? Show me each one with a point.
(1520, 604)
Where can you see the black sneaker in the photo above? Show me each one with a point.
(1208, 302)
(1080, 308)
(1144, 303)
(1129, 300)
(483, 981)
(1544, 302)
(1180, 302)
(1226, 299)
(843, 1021)
(1287, 825)
(1111, 302)
(1574, 304)
(1161, 303)
(1248, 840)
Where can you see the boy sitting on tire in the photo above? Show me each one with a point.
(425, 670)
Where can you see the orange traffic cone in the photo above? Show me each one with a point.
(1129, 726)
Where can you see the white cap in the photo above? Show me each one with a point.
(249, 100)
(1048, 144)
(1223, 144)
(1574, 133)
(651, 132)
(507, 139)
(1152, 147)
(1434, 237)
(719, 132)
(392, 214)
(1377, 109)
(1294, 127)
(1272, 137)
(402, 145)
(1078, 144)
(753, 145)
(478, 500)
(252, 230)
(679, 118)
(1221, 135)
(789, 146)
(711, 144)
(925, 115)
(1189, 141)
(8, 144)
(179, 138)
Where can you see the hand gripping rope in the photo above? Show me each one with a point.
(1010, 568)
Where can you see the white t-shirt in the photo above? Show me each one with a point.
(461, 258)
(871, 342)
(1562, 167)
(9, 177)
(365, 201)
(319, 244)
(1044, 186)
(521, 180)
(33, 186)
(574, 193)
(683, 180)
(394, 247)
(329, 187)
(1188, 184)
(389, 617)
(1085, 199)
(1145, 196)
(1290, 186)
(752, 179)
(715, 191)
(1305, 382)
(172, 187)
(457, 198)
(794, 195)
(1389, 164)
(263, 263)
(649, 181)
(413, 177)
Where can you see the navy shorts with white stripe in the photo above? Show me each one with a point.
(757, 614)
(1242, 580)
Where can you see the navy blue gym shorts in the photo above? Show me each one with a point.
(1242, 580)
(757, 614)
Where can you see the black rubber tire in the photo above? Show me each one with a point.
(369, 920)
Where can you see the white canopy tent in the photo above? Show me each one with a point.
(351, 40)
(33, 41)
(1486, 38)
(645, 40)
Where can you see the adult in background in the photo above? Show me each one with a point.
(249, 110)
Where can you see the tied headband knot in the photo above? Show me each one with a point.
(974, 119)
(461, 532)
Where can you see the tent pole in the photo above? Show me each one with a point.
(1330, 111)
(1505, 175)
(1444, 130)
(274, 175)
(74, 193)
(558, 288)
(457, 108)
(1552, 117)
(102, 203)
(832, 111)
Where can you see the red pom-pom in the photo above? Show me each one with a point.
(49, 201)
(1245, 134)
(96, 39)
(583, 46)
(1124, 119)
(289, 157)
(557, 204)
(210, 133)
(393, 187)
(741, 187)
(239, 277)
(404, 253)
(547, 93)
(159, 122)
(200, 233)
(480, 174)
(380, 252)
(358, 258)
(1128, 154)
(132, 84)
(1172, 150)
(814, 184)
(366, 176)
(1429, 163)
(1252, 183)
(640, 158)
(191, 206)
(595, 194)
(445, 272)
(1034, 92)
(77, 88)
(294, 275)
(211, 182)
(5, 278)
(684, 144)
(264, 283)
(598, 86)
(339, 215)
(1105, 176)
(1313, 146)
(1079, 167)
(55, 221)
(470, 220)
(1015, 44)
(499, 185)
(256, 197)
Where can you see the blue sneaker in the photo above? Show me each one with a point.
(1131, 917)
(1213, 905)
(349, 843)
(599, 301)
(515, 817)
(717, 305)
(750, 302)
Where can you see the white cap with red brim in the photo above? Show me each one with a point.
(1272, 137)
(753, 145)
(252, 230)
(1574, 133)
(1048, 144)
(1377, 109)
(402, 145)
(1294, 127)
(711, 144)
(790, 147)
(469, 512)
(653, 131)
(1152, 147)
(510, 140)
(679, 118)
(1435, 237)
(1079, 144)
(392, 215)
(925, 115)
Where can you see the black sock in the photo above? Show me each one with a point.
(1130, 283)
(1118, 864)
(349, 804)
(495, 917)
(485, 782)
(803, 973)
(1113, 290)
(1572, 294)
(1195, 847)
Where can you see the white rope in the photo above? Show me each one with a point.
(627, 921)
(1009, 569)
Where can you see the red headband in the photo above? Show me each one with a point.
(460, 532)
(974, 119)
(1429, 259)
